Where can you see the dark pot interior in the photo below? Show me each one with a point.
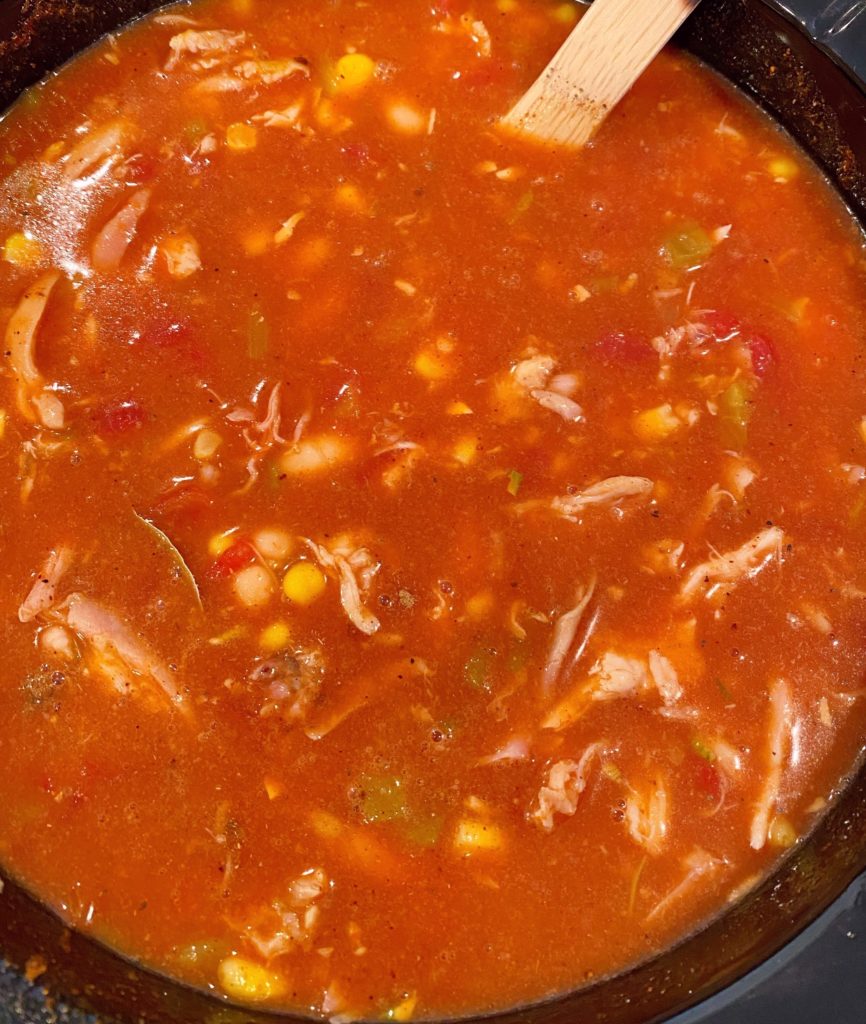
(800, 59)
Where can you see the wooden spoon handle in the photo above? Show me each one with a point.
(598, 63)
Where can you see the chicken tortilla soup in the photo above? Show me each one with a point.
(434, 566)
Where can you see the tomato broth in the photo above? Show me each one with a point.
(434, 566)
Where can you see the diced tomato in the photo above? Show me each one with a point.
(723, 326)
(120, 417)
(140, 168)
(763, 353)
(172, 334)
(239, 555)
(708, 781)
(623, 347)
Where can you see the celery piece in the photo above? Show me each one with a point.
(702, 750)
(521, 206)
(478, 669)
(687, 247)
(381, 798)
(735, 411)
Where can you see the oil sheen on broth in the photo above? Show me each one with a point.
(434, 567)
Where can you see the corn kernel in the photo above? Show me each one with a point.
(565, 14)
(862, 428)
(473, 836)
(304, 583)
(275, 637)
(798, 308)
(783, 169)
(406, 287)
(4, 416)
(326, 825)
(506, 6)
(781, 832)
(350, 197)
(405, 1010)
(241, 137)
(313, 253)
(242, 6)
(207, 443)
(53, 152)
(458, 409)
(274, 788)
(248, 981)
(257, 242)
(656, 424)
(480, 605)
(430, 365)
(22, 250)
(466, 450)
(353, 72)
(220, 543)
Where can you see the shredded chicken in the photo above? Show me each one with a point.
(515, 749)
(605, 494)
(562, 405)
(564, 633)
(618, 676)
(566, 780)
(292, 680)
(470, 26)
(286, 118)
(99, 148)
(290, 924)
(121, 657)
(698, 864)
(110, 245)
(261, 436)
(533, 372)
(734, 566)
(690, 334)
(34, 399)
(212, 41)
(615, 676)
(354, 569)
(43, 593)
(646, 816)
(270, 71)
(778, 746)
(532, 376)
(665, 677)
(182, 256)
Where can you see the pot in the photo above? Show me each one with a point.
(803, 60)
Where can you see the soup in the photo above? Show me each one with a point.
(434, 566)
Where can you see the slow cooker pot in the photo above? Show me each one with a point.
(805, 61)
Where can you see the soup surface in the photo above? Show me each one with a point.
(434, 568)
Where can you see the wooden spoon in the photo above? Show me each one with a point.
(604, 55)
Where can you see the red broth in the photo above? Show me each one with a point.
(434, 567)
